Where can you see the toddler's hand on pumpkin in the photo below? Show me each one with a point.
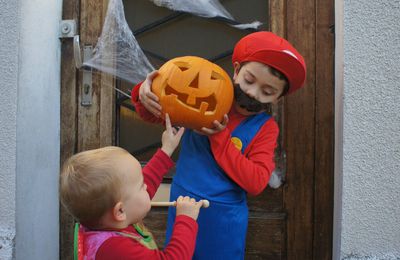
(171, 137)
(218, 127)
(147, 97)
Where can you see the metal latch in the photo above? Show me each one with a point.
(86, 91)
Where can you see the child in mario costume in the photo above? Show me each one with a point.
(236, 157)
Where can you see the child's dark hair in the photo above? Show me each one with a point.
(281, 76)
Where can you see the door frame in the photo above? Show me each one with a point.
(338, 154)
(310, 152)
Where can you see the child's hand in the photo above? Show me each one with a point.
(218, 127)
(147, 97)
(170, 137)
(188, 206)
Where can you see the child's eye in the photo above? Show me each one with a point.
(248, 81)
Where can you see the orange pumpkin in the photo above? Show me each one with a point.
(193, 91)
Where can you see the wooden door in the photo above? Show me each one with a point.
(292, 222)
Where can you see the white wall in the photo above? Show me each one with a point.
(38, 130)
(8, 123)
(371, 130)
(30, 127)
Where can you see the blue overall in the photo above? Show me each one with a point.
(222, 226)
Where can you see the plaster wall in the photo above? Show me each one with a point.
(371, 127)
(29, 128)
(38, 130)
(9, 19)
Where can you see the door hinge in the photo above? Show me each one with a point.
(67, 29)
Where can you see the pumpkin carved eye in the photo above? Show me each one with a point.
(193, 91)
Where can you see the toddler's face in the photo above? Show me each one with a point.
(256, 81)
(135, 199)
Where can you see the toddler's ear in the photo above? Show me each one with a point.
(119, 212)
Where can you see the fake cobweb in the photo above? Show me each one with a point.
(117, 51)
(203, 8)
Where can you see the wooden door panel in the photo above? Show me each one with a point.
(324, 130)
(271, 200)
(266, 236)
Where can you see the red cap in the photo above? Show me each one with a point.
(274, 51)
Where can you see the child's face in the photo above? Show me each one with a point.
(258, 83)
(135, 199)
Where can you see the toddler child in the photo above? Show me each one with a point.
(107, 191)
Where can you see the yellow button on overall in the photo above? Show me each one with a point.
(237, 142)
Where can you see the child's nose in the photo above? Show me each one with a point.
(251, 92)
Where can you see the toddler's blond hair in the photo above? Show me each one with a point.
(90, 184)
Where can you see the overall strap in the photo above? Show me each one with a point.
(198, 172)
(247, 130)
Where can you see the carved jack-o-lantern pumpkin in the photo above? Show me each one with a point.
(193, 91)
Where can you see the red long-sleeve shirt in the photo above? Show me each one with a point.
(251, 170)
(184, 233)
